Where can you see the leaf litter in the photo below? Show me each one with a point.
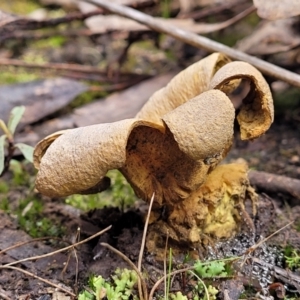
(128, 239)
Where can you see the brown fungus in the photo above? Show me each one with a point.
(172, 147)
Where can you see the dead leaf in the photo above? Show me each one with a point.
(88, 7)
(115, 107)
(40, 98)
(105, 23)
(170, 148)
(277, 9)
(271, 37)
(128, 102)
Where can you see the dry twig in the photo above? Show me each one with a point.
(56, 251)
(144, 234)
(54, 66)
(41, 279)
(3, 295)
(275, 183)
(198, 41)
(30, 241)
(10, 265)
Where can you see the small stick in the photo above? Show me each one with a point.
(275, 183)
(54, 66)
(41, 279)
(56, 251)
(165, 265)
(4, 295)
(31, 241)
(144, 241)
(198, 40)
(251, 249)
(145, 234)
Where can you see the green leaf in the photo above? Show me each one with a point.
(98, 282)
(14, 118)
(2, 152)
(211, 269)
(216, 268)
(26, 150)
(85, 295)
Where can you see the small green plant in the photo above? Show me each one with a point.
(207, 270)
(211, 292)
(178, 296)
(119, 288)
(211, 269)
(293, 260)
(7, 143)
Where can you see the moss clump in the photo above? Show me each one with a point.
(119, 194)
(20, 6)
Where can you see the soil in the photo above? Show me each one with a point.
(275, 152)
(261, 269)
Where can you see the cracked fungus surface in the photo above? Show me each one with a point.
(171, 148)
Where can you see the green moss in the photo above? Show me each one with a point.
(297, 225)
(4, 188)
(29, 218)
(21, 7)
(20, 176)
(119, 194)
(4, 204)
(26, 206)
(165, 7)
(289, 99)
(86, 98)
(293, 260)
(52, 42)
(288, 250)
(13, 75)
(253, 19)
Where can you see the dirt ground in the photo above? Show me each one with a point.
(260, 273)
(275, 152)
